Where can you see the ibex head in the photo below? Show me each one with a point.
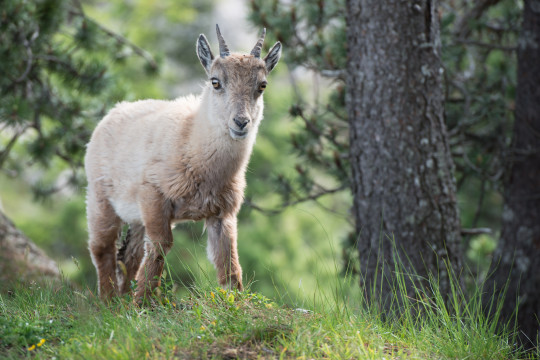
(237, 82)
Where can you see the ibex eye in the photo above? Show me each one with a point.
(216, 84)
(262, 86)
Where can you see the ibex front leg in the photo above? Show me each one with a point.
(158, 242)
(222, 251)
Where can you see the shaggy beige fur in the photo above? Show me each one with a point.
(152, 163)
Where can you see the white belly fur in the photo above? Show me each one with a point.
(128, 211)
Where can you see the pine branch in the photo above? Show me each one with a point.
(120, 39)
(463, 29)
(316, 131)
(476, 231)
(29, 60)
(286, 204)
(486, 45)
(4, 153)
(338, 74)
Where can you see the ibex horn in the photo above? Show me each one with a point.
(223, 48)
(258, 46)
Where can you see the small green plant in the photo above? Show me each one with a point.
(30, 335)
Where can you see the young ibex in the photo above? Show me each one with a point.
(153, 163)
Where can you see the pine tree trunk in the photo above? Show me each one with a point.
(20, 258)
(517, 258)
(402, 171)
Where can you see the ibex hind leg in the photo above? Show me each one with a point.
(130, 256)
(103, 227)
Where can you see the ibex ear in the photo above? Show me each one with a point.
(273, 56)
(204, 53)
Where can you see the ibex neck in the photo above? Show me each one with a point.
(217, 151)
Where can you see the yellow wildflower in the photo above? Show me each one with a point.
(41, 342)
(31, 347)
(202, 328)
(212, 295)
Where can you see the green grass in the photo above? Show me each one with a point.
(58, 321)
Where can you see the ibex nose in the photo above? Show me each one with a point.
(241, 122)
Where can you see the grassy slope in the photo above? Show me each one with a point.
(213, 323)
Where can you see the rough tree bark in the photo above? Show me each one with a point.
(402, 171)
(20, 258)
(517, 258)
